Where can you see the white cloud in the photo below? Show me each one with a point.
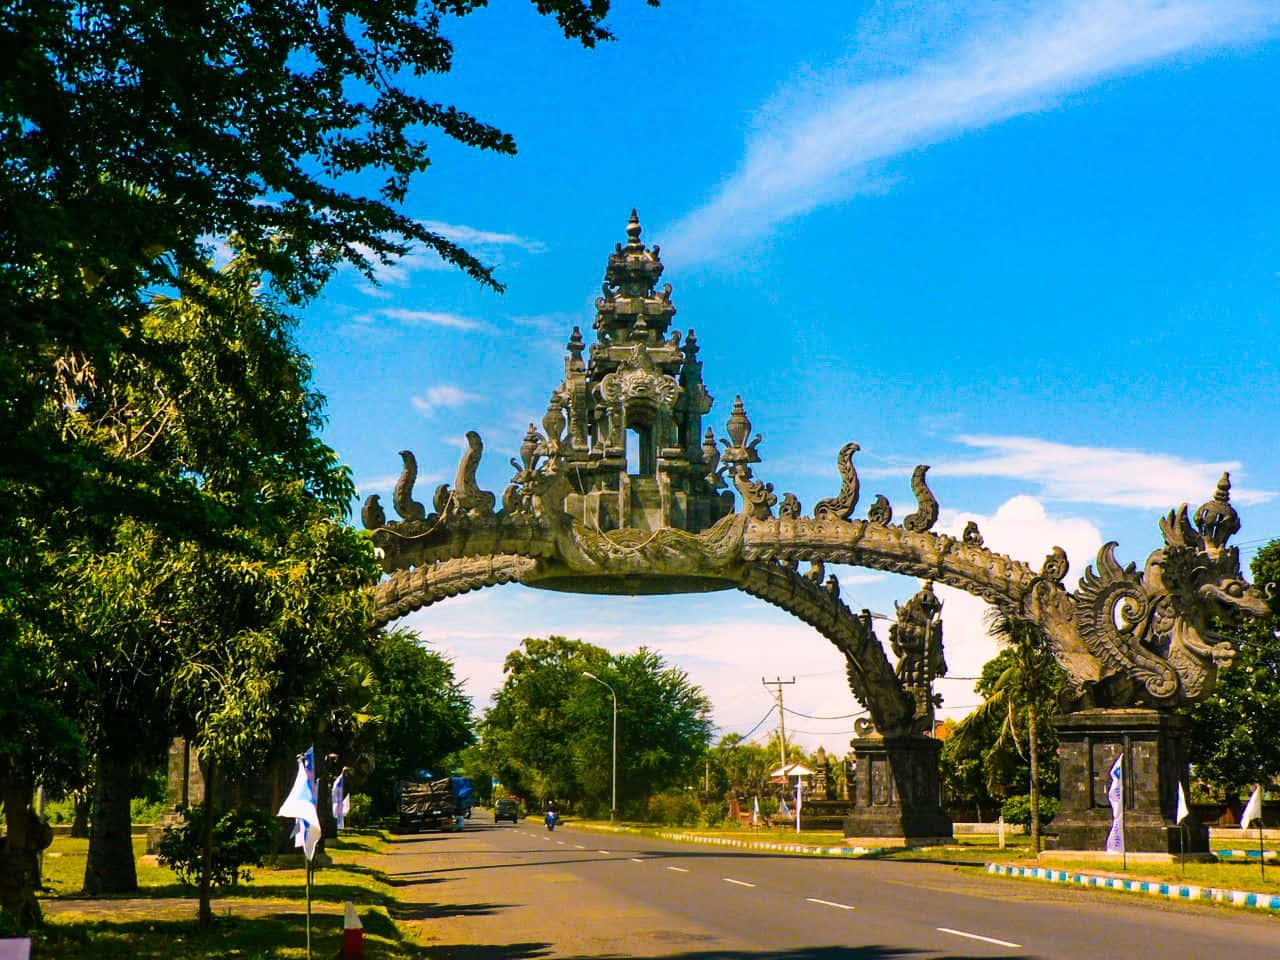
(818, 141)
(473, 237)
(442, 396)
(1105, 475)
(418, 318)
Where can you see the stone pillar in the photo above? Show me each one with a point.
(896, 792)
(1154, 745)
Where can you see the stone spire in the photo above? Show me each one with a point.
(630, 310)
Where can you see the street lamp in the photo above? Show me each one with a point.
(613, 805)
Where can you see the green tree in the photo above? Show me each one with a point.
(134, 135)
(1235, 733)
(424, 716)
(1019, 687)
(548, 733)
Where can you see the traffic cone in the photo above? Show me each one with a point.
(352, 934)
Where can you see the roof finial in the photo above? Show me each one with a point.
(633, 229)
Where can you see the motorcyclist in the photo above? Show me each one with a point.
(552, 817)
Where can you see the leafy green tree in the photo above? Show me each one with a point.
(743, 767)
(548, 733)
(1235, 733)
(1019, 686)
(424, 716)
(133, 135)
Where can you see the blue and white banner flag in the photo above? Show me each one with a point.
(782, 806)
(301, 805)
(341, 802)
(755, 812)
(1115, 839)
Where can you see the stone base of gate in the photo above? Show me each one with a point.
(895, 792)
(1154, 746)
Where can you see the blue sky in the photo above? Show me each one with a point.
(1034, 246)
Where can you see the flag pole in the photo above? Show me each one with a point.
(1262, 853)
(308, 909)
(1124, 841)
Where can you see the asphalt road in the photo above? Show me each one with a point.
(523, 892)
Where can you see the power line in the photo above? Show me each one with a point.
(810, 716)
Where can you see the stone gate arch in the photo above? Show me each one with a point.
(578, 517)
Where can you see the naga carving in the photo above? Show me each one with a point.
(926, 514)
(573, 518)
(841, 506)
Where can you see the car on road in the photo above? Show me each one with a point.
(506, 808)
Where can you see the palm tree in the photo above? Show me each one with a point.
(1025, 685)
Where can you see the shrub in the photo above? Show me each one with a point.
(361, 812)
(677, 808)
(1018, 810)
(242, 837)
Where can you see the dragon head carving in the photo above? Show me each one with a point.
(1154, 633)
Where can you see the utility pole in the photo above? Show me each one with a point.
(778, 684)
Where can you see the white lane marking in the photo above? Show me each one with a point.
(561, 842)
(637, 859)
(740, 883)
(580, 846)
(605, 852)
(975, 936)
(678, 869)
(830, 903)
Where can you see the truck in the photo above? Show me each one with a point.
(434, 804)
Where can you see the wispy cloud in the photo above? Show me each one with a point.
(1104, 475)
(442, 396)
(433, 318)
(820, 139)
(488, 246)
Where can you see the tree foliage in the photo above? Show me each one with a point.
(1235, 734)
(549, 731)
(424, 716)
(1019, 686)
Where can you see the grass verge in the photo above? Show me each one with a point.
(265, 918)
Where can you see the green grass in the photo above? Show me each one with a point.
(265, 918)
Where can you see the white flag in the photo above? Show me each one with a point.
(755, 812)
(1183, 810)
(1252, 809)
(301, 805)
(797, 804)
(1115, 839)
(782, 806)
(341, 802)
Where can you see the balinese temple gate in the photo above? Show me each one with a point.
(625, 490)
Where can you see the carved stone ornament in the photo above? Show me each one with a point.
(578, 517)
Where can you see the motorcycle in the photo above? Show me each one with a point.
(552, 819)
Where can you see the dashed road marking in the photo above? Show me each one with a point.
(561, 842)
(830, 903)
(605, 852)
(678, 869)
(580, 846)
(637, 859)
(740, 883)
(977, 936)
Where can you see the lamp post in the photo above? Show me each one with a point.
(613, 779)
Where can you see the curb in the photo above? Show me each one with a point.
(1172, 891)
(1271, 855)
(751, 844)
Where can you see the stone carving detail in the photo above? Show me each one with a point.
(880, 512)
(408, 508)
(926, 514)
(576, 516)
(371, 514)
(916, 639)
(841, 506)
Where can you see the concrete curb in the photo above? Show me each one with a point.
(1271, 856)
(1172, 891)
(763, 845)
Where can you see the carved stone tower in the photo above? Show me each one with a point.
(634, 451)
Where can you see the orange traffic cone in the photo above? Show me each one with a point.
(352, 934)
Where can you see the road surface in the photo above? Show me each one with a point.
(504, 891)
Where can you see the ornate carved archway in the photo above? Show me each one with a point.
(622, 491)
